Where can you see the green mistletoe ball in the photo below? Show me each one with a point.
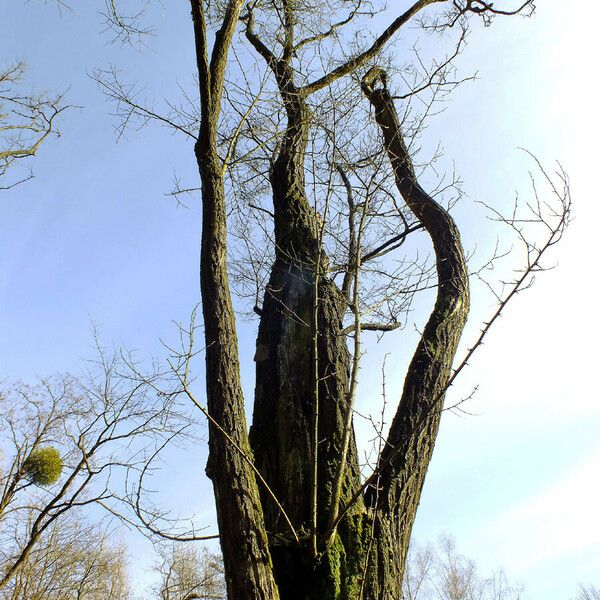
(43, 466)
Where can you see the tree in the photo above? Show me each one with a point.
(26, 120)
(589, 592)
(440, 572)
(68, 444)
(296, 516)
(72, 561)
(188, 574)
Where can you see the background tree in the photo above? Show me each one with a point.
(71, 561)
(27, 120)
(442, 573)
(187, 573)
(86, 435)
(589, 592)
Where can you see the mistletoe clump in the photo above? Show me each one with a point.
(43, 466)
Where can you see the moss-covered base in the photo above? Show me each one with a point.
(340, 572)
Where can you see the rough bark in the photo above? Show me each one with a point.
(239, 511)
(404, 461)
(368, 550)
(244, 543)
(300, 341)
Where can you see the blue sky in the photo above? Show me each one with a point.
(94, 236)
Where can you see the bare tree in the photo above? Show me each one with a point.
(187, 574)
(26, 120)
(69, 444)
(313, 195)
(72, 561)
(588, 592)
(440, 572)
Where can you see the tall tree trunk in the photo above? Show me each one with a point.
(302, 366)
(239, 510)
(244, 543)
(366, 555)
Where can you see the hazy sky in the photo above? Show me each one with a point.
(94, 236)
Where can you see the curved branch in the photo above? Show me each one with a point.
(360, 59)
(402, 477)
(332, 29)
(256, 42)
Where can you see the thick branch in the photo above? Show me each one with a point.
(381, 327)
(201, 46)
(257, 43)
(218, 60)
(402, 477)
(360, 59)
